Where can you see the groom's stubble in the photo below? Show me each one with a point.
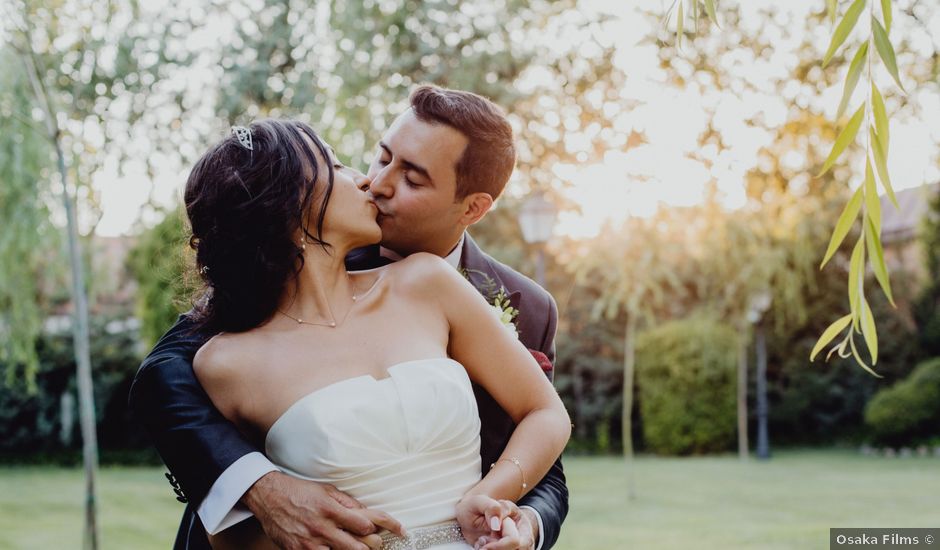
(414, 185)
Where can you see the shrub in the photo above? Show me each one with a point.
(32, 422)
(686, 372)
(908, 411)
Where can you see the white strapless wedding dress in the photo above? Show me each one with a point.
(408, 445)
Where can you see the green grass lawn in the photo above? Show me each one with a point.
(717, 502)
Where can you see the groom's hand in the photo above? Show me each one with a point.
(301, 514)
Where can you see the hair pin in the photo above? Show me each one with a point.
(243, 135)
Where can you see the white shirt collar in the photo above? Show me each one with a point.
(453, 258)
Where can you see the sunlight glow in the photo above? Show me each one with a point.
(669, 166)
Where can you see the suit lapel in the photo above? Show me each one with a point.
(480, 270)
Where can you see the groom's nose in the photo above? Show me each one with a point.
(382, 184)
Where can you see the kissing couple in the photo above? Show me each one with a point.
(345, 380)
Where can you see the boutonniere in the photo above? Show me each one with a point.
(505, 312)
(498, 299)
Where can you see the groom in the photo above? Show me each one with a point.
(437, 171)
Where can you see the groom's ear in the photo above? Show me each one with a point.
(475, 206)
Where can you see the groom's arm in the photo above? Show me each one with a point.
(219, 469)
(549, 498)
(209, 457)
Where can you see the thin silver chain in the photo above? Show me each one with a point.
(333, 323)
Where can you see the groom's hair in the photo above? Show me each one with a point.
(490, 155)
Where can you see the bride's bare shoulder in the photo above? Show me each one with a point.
(420, 269)
(223, 366)
(221, 358)
(426, 278)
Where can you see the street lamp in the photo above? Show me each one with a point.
(537, 219)
(759, 305)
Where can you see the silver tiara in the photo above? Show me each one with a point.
(244, 136)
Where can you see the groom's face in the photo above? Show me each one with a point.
(414, 184)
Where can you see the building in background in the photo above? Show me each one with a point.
(901, 230)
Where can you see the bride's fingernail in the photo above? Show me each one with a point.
(494, 523)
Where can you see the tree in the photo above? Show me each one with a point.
(23, 159)
(79, 296)
(86, 63)
(763, 252)
(350, 74)
(161, 264)
(636, 266)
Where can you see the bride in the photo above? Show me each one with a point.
(357, 379)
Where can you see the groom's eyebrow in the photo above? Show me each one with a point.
(408, 164)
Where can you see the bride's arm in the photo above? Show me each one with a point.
(496, 360)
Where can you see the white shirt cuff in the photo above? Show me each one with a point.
(538, 519)
(221, 508)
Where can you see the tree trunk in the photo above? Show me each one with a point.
(763, 439)
(629, 359)
(80, 319)
(742, 395)
(86, 398)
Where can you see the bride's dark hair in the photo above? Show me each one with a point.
(245, 206)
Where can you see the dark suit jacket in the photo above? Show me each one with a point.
(197, 443)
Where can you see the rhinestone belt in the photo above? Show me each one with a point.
(424, 537)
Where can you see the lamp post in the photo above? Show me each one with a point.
(759, 305)
(537, 219)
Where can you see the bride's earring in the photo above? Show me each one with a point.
(303, 244)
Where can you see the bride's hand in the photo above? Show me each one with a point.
(512, 537)
(482, 516)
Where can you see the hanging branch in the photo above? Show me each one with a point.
(865, 202)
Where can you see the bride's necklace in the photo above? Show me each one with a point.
(332, 323)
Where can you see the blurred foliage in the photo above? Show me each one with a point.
(106, 68)
(872, 114)
(639, 271)
(823, 403)
(24, 158)
(589, 372)
(908, 411)
(97, 69)
(33, 422)
(162, 265)
(347, 69)
(686, 372)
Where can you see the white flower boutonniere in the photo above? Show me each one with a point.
(498, 300)
(505, 312)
